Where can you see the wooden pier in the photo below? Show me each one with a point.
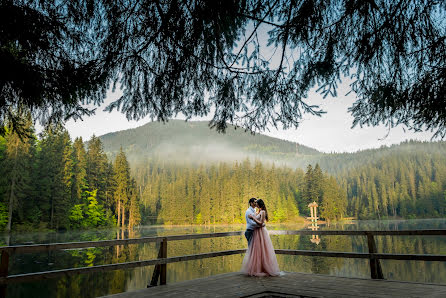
(290, 284)
(235, 284)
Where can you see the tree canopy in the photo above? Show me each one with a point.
(250, 63)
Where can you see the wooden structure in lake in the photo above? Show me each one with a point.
(299, 284)
(314, 227)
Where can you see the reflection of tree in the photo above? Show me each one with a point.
(413, 270)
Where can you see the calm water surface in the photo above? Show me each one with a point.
(97, 284)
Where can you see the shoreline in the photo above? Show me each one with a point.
(302, 223)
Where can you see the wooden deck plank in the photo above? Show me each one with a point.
(289, 285)
(356, 286)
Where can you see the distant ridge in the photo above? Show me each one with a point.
(196, 140)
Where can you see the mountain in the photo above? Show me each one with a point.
(406, 180)
(196, 142)
(336, 163)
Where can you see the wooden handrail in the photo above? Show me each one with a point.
(361, 233)
(109, 267)
(162, 260)
(27, 277)
(86, 244)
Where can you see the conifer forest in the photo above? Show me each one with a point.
(49, 181)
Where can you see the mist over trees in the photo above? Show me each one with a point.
(202, 57)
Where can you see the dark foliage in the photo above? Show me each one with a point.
(201, 57)
(51, 182)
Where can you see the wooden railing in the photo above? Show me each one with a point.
(160, 271)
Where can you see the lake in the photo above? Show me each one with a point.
(98, 284)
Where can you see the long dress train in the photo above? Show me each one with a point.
(260, 258)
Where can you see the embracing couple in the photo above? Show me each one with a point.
(260, 258)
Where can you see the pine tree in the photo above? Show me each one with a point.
(313, 184)
(308, 190)
(134, 210)
(109, 187)
(18, 171)
(97, 166)
(80, 168)
(332, 207)
(122, 180)
(69, 174)
(55, 169)
(317, 184)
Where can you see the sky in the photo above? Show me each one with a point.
(330, 133)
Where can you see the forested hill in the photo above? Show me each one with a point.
(404, 180)
(337, 163)
(195, 141)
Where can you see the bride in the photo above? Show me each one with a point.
(260, 259)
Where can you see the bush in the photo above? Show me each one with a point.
(3, 216)
(91, 215)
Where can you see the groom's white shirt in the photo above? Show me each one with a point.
(250, 224)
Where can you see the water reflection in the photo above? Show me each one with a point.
(93, 285)
(314, 227)
(314, 238)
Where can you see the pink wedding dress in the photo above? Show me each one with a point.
(260, 258)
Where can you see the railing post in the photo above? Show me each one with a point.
(156, 270)
(160, 271)
(163, 249)
(4, 271)
(375, 265)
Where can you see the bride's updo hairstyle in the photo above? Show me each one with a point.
(262, 207)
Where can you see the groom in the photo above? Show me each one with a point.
(250, 224)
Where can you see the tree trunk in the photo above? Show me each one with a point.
(117, 246)
(123, 216)
(52, 212)
(119, 212)
(11, 203)
(122, 237)
(11, 193)
(130, 218)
